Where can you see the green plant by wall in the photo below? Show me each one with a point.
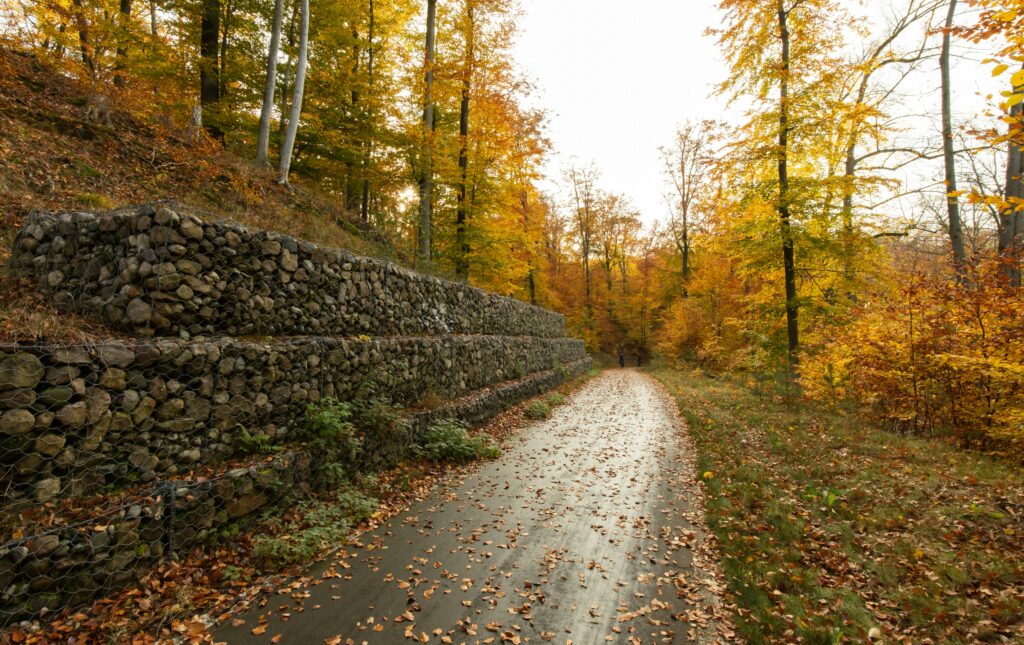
(537, 410)
(449, 441)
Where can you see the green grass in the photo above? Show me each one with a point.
(829, 527)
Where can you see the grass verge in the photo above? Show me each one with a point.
(833, 531)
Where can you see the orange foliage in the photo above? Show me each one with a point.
(934, 356)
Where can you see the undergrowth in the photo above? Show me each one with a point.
(829, 527)
(449, 441)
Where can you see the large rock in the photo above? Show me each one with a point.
(16, 422)
(20, 370)
(50, 444)
(139, 312)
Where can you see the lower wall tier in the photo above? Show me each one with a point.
(77, 562)
(76, 419)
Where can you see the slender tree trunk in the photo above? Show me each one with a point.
(427, 170)
(226, 27)
(209, 70)
(124, 15)
(83, 36)
(152, 17)
(364, 203)
(788, 254)
(461, 240)
(300, 81)
(1011, 220)
(282, 123)
(263, 137)
(352, 165)
(956, 231)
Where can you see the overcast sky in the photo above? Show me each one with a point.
(616, 79)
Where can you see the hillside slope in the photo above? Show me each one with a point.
(53, 157)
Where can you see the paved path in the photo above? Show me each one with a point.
(580, 532)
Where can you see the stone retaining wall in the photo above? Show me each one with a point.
(153, 270)
(74, 419)
(75, 563)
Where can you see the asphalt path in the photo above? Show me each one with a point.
(585, 530)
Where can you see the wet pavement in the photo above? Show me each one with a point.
(585, 530)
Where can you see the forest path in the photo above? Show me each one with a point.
(585, 530)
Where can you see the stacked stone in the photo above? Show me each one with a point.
(141, 415)
(73, 564)
(75, 419)
(151, 270)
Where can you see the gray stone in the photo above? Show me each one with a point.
(20, 370)
(73, 415)
(19, 398)
(43, 545)
(115, 355)
(47, 489)
(50, 445)
(16, 422)
(139, 312)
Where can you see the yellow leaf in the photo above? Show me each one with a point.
(999, 69)
(1013, 100)
(1017, 79)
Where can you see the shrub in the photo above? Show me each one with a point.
(332, 439)
(537, 410)
(448, 440)
(556, 399)
(318, 526)
(254, 443)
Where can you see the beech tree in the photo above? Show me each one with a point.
(288, 145)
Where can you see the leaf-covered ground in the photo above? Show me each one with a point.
(834, 531)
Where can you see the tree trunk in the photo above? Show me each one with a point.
(364, 203)
(209, 70)
(226, 27)
(124, 23)
(956, 231)
(1011, 220)
(282, 123)
(263, 137)
(300, 81)
(427, 170)
(83, 36)
(152, 17)
(788, 254)
(461, 241)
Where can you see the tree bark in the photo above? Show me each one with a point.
(83, 36)
(263, 137)
(1011, 220)
(152, 17)
(209, 70)
(956, 231)
(427, 170)
(124, 15)
(461, 241)
(364, 203)
(788, 254)
(222, 76)
(300, 81)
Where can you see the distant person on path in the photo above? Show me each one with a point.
(622, 360)
(638, 360)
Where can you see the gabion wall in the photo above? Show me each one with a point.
(115, 454)
(64, 563)
(74, 419)
(152, 270)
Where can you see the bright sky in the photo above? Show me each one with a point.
(616, 79)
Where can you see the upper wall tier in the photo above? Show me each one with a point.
(154, 270)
